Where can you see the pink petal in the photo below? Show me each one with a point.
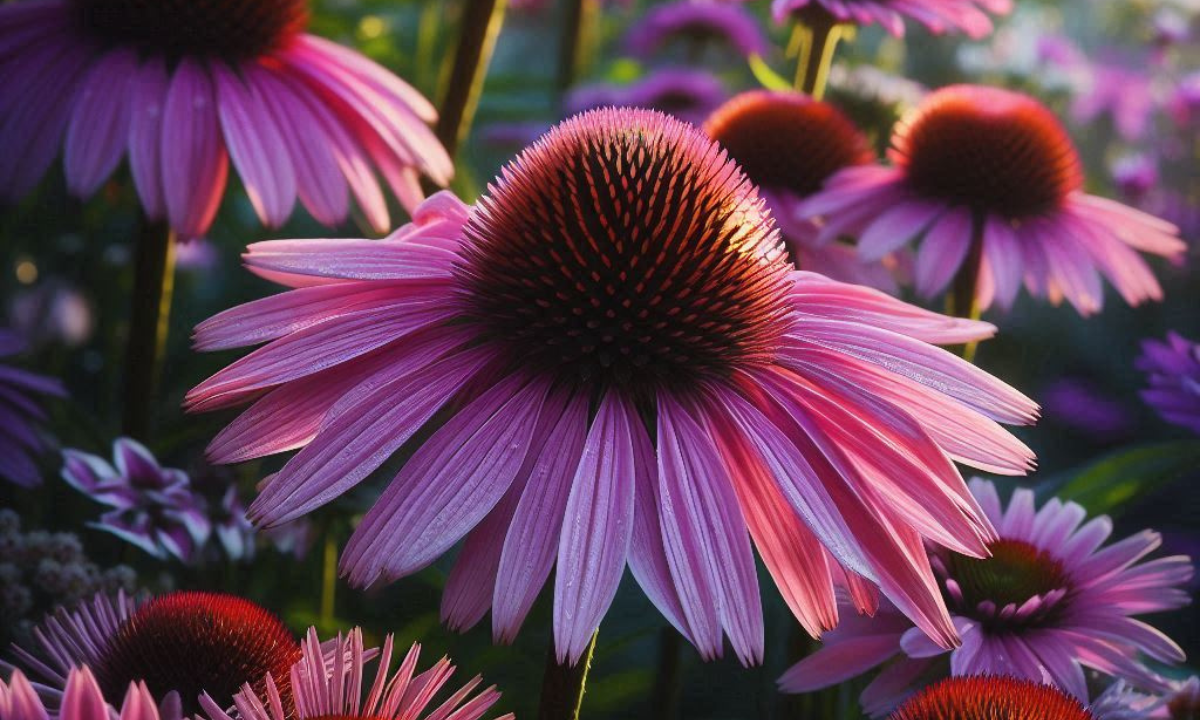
(99, 127)
(194, 161)
(837, 662)
(597, 528)
(147, 100)
(942, 251)
(894, 228)
(82, 699)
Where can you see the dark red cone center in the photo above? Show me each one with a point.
(990, 698)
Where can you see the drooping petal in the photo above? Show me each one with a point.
(99, 129)
(194, 161)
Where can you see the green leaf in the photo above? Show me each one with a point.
(1106, 485)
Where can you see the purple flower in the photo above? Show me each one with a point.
(21, 415)
(155, 508)
(53, 311)
(696, 23)
(1173, 371)
(1184, 103)
(233, 531)
(1051, 600)
(1081, 406)
(687, 94)
(1135, 176)
(938, 16)
(1125, 94)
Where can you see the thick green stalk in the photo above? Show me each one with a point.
(819, 34)
(149, 320)
(962, 300)
(478, 29)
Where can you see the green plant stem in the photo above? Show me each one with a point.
(962, 301)
(819, 34)
(577, 43)
(329, 560)
(563, 686)
(668, 681)
(149, 320)
(480, 25)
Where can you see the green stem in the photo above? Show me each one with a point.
(328, 577)
(820, 34)
(149, 320)
(668, 682)
(479, 27)
(563, 686)
(577, 42)
(962, 300)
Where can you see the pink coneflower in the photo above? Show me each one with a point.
(21, 415)
(1173, 371)
(82, 700)
(695, 24)
(1049, 602)
(186, 643)
(620, 281)
(183, 87)
(991, 697)
(325, 690)
(988, 176)
(939, 16)
(789, 145)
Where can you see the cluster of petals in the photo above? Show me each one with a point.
(21, 415)
(1088, 622)
(938, 16)
(1172, 370)
(687, 93)
(695, 23)
(835, 452)
(82, 700)
(328, 682)
(1058, 250)
(305, 119)
(153, 507)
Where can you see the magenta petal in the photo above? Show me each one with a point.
(194, 161)
(708, 545)
(148, 99)
(449, 484)
(838, 662)
(531, 544)
(256, 146)
(597, 528)
(99, 128)
(82, 699)
(942, 251)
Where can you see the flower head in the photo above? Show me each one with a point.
(1172, 368)
(185, 643)
(620, 281)
(991, 697)
(155, 508)
(82, 700)
(975, 164)
(21, 441)
(696, 23)
(1050, 600)
(789, 145)
(938, 16)
(182, 88)
(325, 690)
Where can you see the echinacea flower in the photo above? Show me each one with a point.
(1121, 701)
(789, 145)
(182, 643)
(1119, 89)
(938, 16)
(231, 527)
(1051, 600)
(82, 700)
(21, 415)
(620, 281)
(989, 177)
(1173, 371)
(688, 94)
(184, 87)
(154, 508)
(695, 24)
(335, 690)
(991, 697)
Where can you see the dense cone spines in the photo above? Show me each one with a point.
(990, 698)
(624, 248)
(1016, 572)
(230, 29)
(993, 150)
(787, 141)
(195, 642)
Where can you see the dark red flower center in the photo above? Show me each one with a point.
(990, 149)
(990, 698)
(231, 29)
(1016, 572)
(623, 249)
(197, 642)
(787, 141)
